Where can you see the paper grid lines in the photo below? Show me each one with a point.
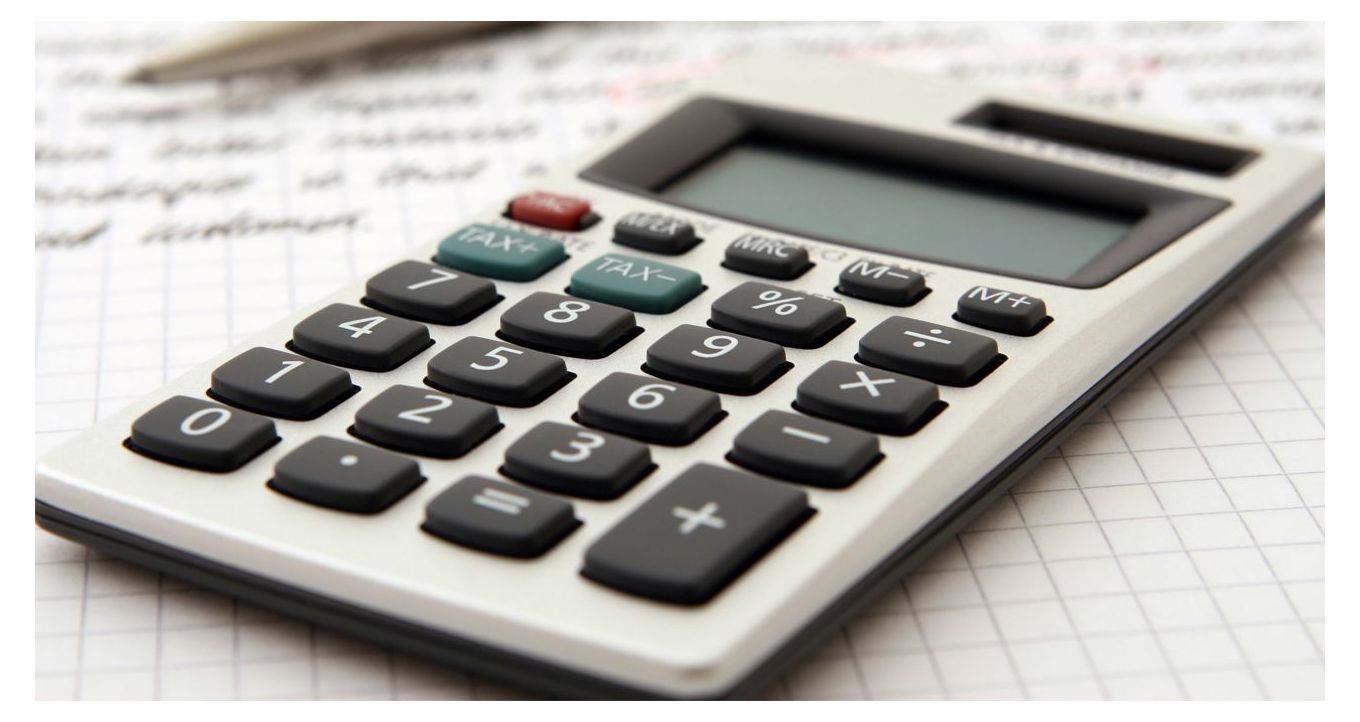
(1171, 549)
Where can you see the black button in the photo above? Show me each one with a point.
(359, 338)
(715, 360)
(766, 256)
(280, 384)
(882, 283)
(641, 407)
(566, 325)
(500, 518)
(1004, 311)
(815, 452)
(496, 372)
(695, 536)
(786, 317)
(937, 353)
(655, 232)
(420, 421)
(199, 434)
(426, 292)
(869, 398)
(576, 461)
(345, 475)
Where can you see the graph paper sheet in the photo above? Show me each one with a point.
(1171, 549)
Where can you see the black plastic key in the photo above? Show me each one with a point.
(359, 337)
(869, 398)
(766, 256)
(345, 475)
(1004, 311)
(426, 292)
(280, 384)
(695, 536)
(566, 325)
(777, 314)
(882, 283)
(577, 461)
(420, 421)
(811, 451)
(500, 518)
(199, 434)
(655, 232)
(497, 372)
(643, 408)
(930, 351)
(715, 360)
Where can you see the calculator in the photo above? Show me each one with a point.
(659, 424)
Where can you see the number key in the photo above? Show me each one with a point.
(420, 421)
(280, 384)
(640, 407)
(358, 338)
(426, 292)
(496, 372)
(715, 360)
(576, 461)
(199, 434)
(781, 315)
(569, 326)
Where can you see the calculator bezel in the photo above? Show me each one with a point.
(706, 126)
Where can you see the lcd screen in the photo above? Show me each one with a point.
(906, 211)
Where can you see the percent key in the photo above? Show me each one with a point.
(779, 315)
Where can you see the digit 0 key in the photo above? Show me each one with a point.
(199, 434)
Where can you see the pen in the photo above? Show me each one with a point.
(246, 47)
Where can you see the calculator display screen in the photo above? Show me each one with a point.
(899, 210)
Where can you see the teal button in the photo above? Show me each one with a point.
(500, 252)
(636, 283)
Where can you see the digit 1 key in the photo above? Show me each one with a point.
(811, 451)
(199, 434)
(280, 384)
(695, 536)
(779, 315)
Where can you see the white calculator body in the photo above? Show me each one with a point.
(768, 349)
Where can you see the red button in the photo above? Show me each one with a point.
(550, 210)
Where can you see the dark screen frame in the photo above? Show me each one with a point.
(707, 126)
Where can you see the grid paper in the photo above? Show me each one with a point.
(1172, 548)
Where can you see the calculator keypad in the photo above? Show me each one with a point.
(499, 518)
(715, 360)
(926, 350)
(581, 462)
(872, 399)
(420, 421)
(692, 538)
(810, 451)
(1004, 311)
(496, 372)
(777, 314)
(430, 293)
(359, 338)
(568, 326)
(280, 384)
(345, 475)
(643, 408)
(199, 434)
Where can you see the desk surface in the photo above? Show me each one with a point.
(1172, 548)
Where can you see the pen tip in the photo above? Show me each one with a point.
(140, 75)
